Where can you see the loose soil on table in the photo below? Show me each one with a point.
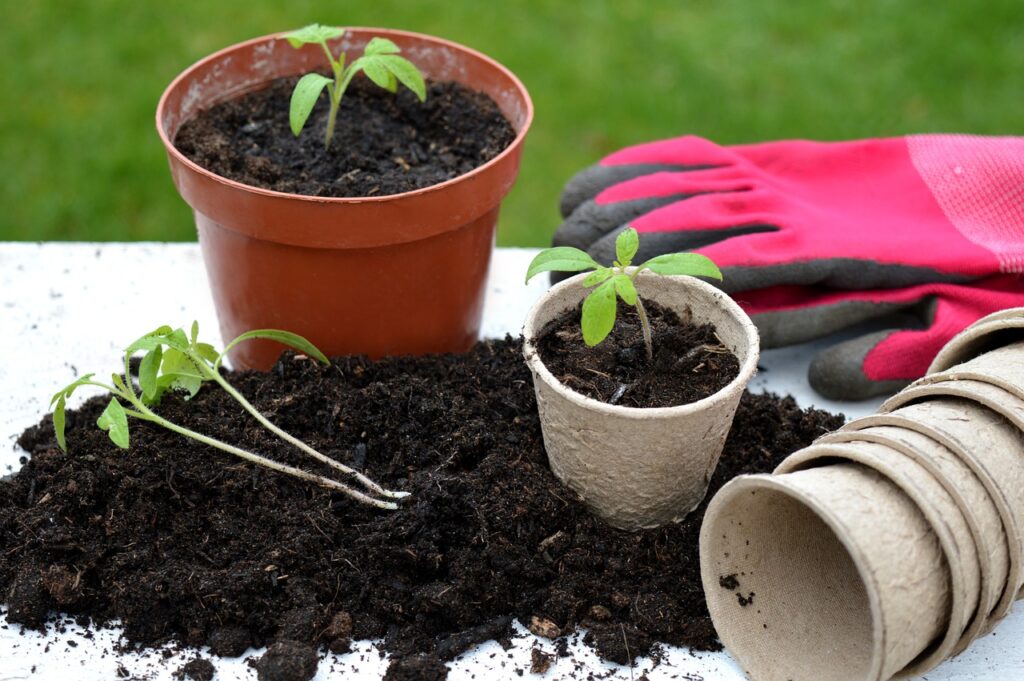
(383, 143)
(183, 543)
(689, 363)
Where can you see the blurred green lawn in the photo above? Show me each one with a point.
(79, 158)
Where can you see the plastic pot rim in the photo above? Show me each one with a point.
(513, 146)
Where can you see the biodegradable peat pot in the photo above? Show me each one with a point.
(397, 274)
(945, 518)
(640, 468)
(1003, 367)
(978, 429)
(971, 496)
(828, 574)
(995, 330)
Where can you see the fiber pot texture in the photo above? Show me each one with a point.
(640, 468)
(944, 516)
(995, 330)
(971, 496)
(807, 575)
(399, 274)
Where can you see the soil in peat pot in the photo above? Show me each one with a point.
(383, 143)
(689, 363)
(182, 543)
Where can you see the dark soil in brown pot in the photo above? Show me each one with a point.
(183, 543)
(383, 143)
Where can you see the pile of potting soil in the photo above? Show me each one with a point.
(184, 543)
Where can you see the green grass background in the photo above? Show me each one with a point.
(79, 158)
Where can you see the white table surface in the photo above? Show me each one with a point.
(66, 309)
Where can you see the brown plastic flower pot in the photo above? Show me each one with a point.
(399, 274)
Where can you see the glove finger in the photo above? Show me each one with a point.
(589, 182)
(627, 201)
(658, 243)
(886, 361)
(592, 221)
(721, 211)
(688, 150)
(705, 181)
(679, 154)
(838, 372)
(787, 315)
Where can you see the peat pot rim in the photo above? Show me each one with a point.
(748, 366)
(512, 148)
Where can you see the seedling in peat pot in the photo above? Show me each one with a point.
(599, 307)
(174, 361)
(380, 62)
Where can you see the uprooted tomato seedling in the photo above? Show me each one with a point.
(172, 360)
(599, 307)
(380, 62)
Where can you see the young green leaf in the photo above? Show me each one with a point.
(378, 73)
(626, 244)
(597, 276)
(379, 45)
(406, 73)
(561, 259)
(69, 389)
(598, 313)
(195, 332)
(692, 264)
(114, 420)
(304, 97)
(624, 287)
(58, 422)
(314, 33)
(179, 372)
(148, 370)
(207, 352)
(292, 340)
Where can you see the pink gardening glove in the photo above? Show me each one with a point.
(922, 319)
(880, 213)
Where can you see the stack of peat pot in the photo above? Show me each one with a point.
(888, 546)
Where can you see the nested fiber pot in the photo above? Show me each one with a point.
(825, 574)
(384, 275)
(640, 468)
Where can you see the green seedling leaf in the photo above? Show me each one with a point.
(598, 313)
(692, 264)
(304, 97)
(179, 372)
(292, 340)
(119, 383)
(378, 73)
(597, 276)
(380, 62)
(314, 33)
(195, 332)
(406, 73)
(561, 259)
(148, 371)
(626, 244)
(380, 46)
(624, 287)
(164, 336)
(58, 422)
(114, 420)
(69, 389)
(207, 352)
